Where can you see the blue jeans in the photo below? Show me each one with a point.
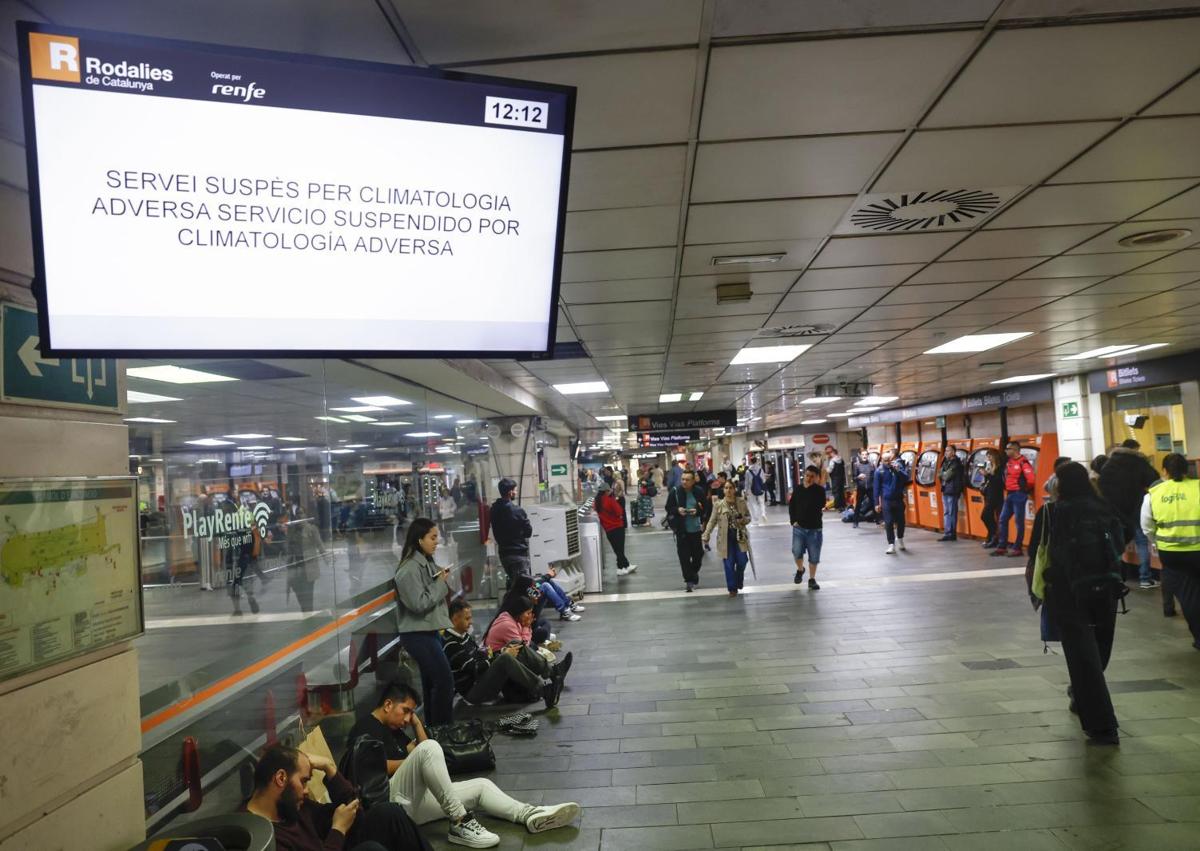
(555, 596)
(735, 565)
(807, 541)
(950, 514)
(1014, 507)
(1142, 543)
(437, 680)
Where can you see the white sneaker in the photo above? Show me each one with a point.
(631, 569)
(551, 817)
(900, 544)
(569, 616)
(622, 571)
(472, 834)
(575, 607)
(553, 636)
(891, 550)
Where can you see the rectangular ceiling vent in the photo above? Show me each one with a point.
(923, 211)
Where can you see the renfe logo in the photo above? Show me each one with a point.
(54, 57)
(245, 93)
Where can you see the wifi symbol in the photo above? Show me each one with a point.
(262, 514)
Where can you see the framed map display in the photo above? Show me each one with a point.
(70, 581)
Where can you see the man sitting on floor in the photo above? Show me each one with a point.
(421, 783)
(518, 672)
(281, 797)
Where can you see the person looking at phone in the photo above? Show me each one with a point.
(684, 515)
(281, 797)
(891, 478)
(421, 591)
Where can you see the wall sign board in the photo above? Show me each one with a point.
(683, 421)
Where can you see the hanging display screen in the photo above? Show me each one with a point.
(196, 200)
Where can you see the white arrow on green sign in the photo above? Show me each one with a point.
(26, 377)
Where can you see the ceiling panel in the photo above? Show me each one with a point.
(705, 324)
(1110, 239)
(640, 311)
(633, 227)
(1144, 283)
(760, 283)
(1077, 265)
(1184, 206)
(639, 334)
(697, 259)
(1183, 261)
(628, 177)
(802, 218)
(703, 302)
(1032, 287)
(973, 270)
(1021, 242)
(923, 293)
(1069, 73)
(855, 277)
(594, 292)
(824, 299)
(1086, 202)
(788, 168)
(624, 100)
(1185, 99)
(879, 250)
(881, 84)
(1144, 149)
(618, 265)
(976, 158)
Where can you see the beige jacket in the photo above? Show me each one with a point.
(721, 518)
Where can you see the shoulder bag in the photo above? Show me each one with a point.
(466, 744)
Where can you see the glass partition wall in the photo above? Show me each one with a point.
(274, 498)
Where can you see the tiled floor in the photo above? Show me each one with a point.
(908, 704)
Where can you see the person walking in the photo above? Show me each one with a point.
(805, 507)
(993, 500)
(1080, 584)
(836, 469)
(610, 509)
(953, 479)
(730, 517)
(891, 479)
(512, 529)
(864, 473)
(1171, 519)
(756, 491)
(684, 512)
(1018, 485)
(421, 614)
(1124, 480)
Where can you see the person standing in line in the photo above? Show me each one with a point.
(836, 468)
(864, 475)
(730, 516)
(1171, 519)
(421, 615)
(756, 491)
(610, 509)
(1018, 485)
(1124, 480)
(684, 510)
(512, 529)
(891, 479)
(770, 483)
(1095, 467)
(993, 500)
(805, 506)
(1050, 488)
(953, 478)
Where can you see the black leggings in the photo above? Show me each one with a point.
(1181, 579)
(1087, 642)
(437, 680)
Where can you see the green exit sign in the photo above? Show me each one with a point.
(1070, 410)
(559, 470)
(26, 377)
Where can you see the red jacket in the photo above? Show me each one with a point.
(610, 512)
(1012, 474)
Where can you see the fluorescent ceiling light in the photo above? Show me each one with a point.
(1103, 351)
(359, 418)
(249, 448)
(607, 418)
(463, 422)
(1021, 379)
(175, 374)
(209, 441)
(769, 354)
(977, 343)
(293, 439)
(385, 401)
(812, 422)
(845, 414)
(331, 419)
(737, 259)
(875, 400)
(1144, 348)
(358, 409)
(443, 450)
(443, 416)
(210, 461)
(670, 397)
(339, 451)
(137, 397)
(357, 445)
(423, 434)
(581, 387)
(392, 423)
(820, 400)
(695, 395)
(863, 410)
(248, 436)
(147, 420)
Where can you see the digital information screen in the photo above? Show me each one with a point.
(191, 199)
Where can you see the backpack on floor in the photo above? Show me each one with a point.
(1086, 542)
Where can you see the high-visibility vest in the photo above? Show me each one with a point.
(1176, 510)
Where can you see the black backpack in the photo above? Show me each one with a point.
(1086, 543)
(365, 764)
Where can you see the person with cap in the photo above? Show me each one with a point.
(511, 528)
(610, 509)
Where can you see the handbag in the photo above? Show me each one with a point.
(467, 746)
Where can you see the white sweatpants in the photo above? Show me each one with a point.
(758, 507)
(423, 787)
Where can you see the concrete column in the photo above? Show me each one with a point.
(1190, 391)
(1072, 417)
(513, 457)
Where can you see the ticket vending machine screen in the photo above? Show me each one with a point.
(927, 467)
(977, 467)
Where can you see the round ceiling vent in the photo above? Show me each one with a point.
(915, 211)
(1154, 237)
(811, 330)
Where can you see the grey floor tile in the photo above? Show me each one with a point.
(1004, 840)
(850, 804)
(904, 824)
(784, 831)
(656, 838)
(717, 790)
(639, 815)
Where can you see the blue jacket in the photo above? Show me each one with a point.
(890, 483)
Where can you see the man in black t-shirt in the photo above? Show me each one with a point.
(420, 781)
(804, 510)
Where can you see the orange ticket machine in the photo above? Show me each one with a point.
(986, 455)
(1040, 450)
(873, 453)
(908, 454)
(926, 487)
(963, 449)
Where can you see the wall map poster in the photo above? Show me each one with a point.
(69, 575)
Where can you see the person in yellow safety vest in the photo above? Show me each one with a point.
(1171, 519)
